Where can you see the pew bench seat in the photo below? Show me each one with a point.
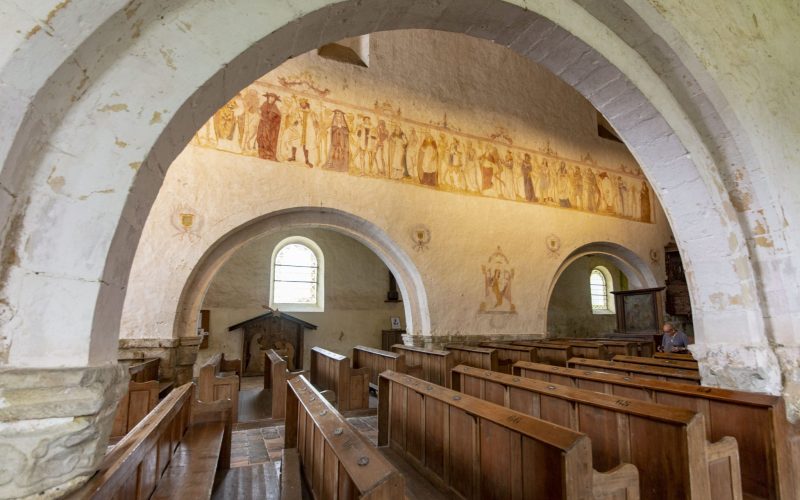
(190, 473)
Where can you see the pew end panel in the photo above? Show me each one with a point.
(335, 459)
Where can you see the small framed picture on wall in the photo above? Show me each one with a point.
(395, 323)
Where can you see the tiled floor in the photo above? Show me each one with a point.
(368, 426)
(257, 446)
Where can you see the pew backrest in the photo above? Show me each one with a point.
(479, 357)
(674, 355)
(477, 449)
(276, 374)
(667, 444)
(135, 465)
(552, 353)
(432, 365)
(140, 400)
(377, 361)
(757, 421)
(637, 370)
(336, 460)
(665, 363)
(587, 349)
(332, 371)
(508, 354)
(142, 370)
(219, 380)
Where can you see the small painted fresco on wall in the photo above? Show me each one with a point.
(498, 275)
(295, 122)
(187, 222)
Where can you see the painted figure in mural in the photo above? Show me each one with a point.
(255, 362)
(455, 166)
(428, 161)
(302, 127)
(622, 195)
(471, 168)
(527, 168)
(442, 147)
(544, 181)
(248, 121)
(269, 127)
(412, 152)
(607, 192)
(382, 134)
(365, 145)
(497, 278)
(563, 186)
(633, 200)
(576, 182)
(398, 143)
(489, 171)
(644, 205)
(339, 146)
(592, 191)
(225, 121)
(507, 176)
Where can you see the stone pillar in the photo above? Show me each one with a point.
(164, 349)
(185, 358)
(54, 426)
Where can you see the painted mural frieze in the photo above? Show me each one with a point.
(296, 122)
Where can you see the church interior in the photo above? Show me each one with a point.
(399, 249)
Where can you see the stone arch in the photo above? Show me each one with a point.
(635, 268)
(649, 86)
(409, 281)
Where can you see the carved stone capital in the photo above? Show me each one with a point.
(54, 426)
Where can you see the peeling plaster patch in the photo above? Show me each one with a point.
(741, 200)
(167, 55)
(52, 14)
(135, 165)
(131, 8)
(104, 191)
(760, 229)
(33, 31)
(56, 183)
(116, 108)
(185, 27)
(764, 241)
(156, 118)
(136, 29)
(8, 254)
(120, 143)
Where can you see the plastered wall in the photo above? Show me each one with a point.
(457, 241)
(356, 283)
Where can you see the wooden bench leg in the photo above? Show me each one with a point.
(724, 469)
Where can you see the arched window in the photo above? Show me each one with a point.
(297, 276)
(600, 288)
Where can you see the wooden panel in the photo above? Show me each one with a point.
(329, 438)
(756, 421)
(637, 370)
(434, 365)
(665, 363)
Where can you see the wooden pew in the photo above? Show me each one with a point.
(142, 370)
(646, 346)
(508, 354)
(276, 374)
(219, 380)
(377, 361)
(173, 452)
(635, 370)
(665, 363)
(332, 371)
(757, 421)
(588, 349)
(430, 365)
(624, 347)
(479, 357)
(476, 449)
(552, 353)
(675, 355)
(336, 460)
(667, 444)
(140, 400)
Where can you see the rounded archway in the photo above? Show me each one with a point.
(409, 281)
(571, 309)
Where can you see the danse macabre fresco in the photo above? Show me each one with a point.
(295, 122)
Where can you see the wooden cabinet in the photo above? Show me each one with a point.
(390, 338)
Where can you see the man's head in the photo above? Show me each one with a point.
(668, 329)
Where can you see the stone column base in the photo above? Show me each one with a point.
(54, 426)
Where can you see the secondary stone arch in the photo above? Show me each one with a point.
(409, 280)
(638, 272)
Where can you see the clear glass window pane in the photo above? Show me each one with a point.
(598, 290)
(296, 254)
(288, 292)
(292, 273)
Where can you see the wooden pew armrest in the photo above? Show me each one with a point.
(291, 375)
(620, 482)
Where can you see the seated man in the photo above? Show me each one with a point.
(673, 340)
